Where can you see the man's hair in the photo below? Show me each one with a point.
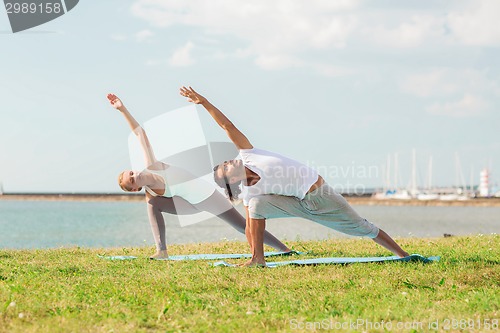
(232, 191)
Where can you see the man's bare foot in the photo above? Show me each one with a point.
(159, 255)
(245, 263)
(254, 263)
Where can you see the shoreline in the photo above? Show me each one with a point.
(480, 202)
(353, 200)
(72, 197)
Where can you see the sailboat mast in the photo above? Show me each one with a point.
(396, 175)
(414, 173)
(429, 180)
(388, 175)
(471, 179)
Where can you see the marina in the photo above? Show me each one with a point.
(414, 191)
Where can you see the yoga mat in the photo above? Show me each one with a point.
(207, 256)
(118, 257)
(216, 256)
(326, 261)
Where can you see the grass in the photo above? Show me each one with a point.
(72, 290)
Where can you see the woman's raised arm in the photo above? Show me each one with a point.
(149, 155)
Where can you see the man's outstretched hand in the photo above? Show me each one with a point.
(192, 95)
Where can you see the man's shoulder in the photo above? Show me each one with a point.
(257, 151)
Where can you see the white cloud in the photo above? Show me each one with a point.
(416, 31)
(477, 25)
(274, 31)
(282, 34)
(182, 56)
(434, 82)
(143, 35)
(448, 81)
(469, 105)
(474, 87)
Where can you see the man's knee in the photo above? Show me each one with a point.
(259, 206)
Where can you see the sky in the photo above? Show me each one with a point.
(338, 85)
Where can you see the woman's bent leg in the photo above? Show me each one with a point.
(237, 221)
(155, 207)
(157, 224)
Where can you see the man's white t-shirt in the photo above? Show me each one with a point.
(278, 175)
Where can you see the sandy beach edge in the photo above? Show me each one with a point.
(353, 200)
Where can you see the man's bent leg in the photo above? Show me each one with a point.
(248, 234)
(386, 241)
(257, 228)
(261, 208)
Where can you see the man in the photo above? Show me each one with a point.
(276, 186)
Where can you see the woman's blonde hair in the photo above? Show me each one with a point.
(120, 179)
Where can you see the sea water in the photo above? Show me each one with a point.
(51, 224)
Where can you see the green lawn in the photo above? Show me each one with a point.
(72, 290)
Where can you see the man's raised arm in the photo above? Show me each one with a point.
(234, 134)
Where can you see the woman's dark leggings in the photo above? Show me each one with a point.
(216, 204)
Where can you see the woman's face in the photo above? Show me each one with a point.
(129, 180)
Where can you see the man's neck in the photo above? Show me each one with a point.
(251, 177)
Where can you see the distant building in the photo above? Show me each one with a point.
(484, 183)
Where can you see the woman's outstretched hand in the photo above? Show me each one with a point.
(192, 95)
(116, 102)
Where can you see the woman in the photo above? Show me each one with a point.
(276, 186)
(173, 190)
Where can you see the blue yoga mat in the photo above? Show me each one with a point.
(207, 256)
(216, 256)
(327, 261)
(118, 257)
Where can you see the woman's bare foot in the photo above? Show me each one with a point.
(160, 255)
(404, 254)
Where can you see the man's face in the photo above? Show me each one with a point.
(230, 170)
